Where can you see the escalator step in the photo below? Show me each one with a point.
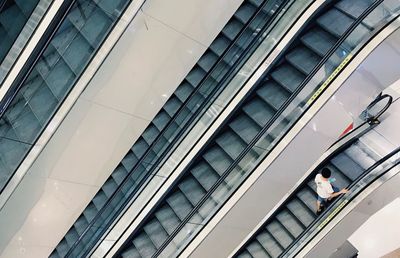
(357, 154)
(258, 111)
(144, 245)
(179, 204)
(231, 144)
(217, 159)
(192, 190)
(318, 40)
(287, 76)
(335, 22)
(219, 45)
(232, 28)
(207, 60)
(269, 244)
(245, 11)
(167, 217)
(273, 94)
(347, 166)
(279, 233)
(354, 8)
(256, 250)
(245, 127)
(308, 197)
(287, 220)
(303, 59)
(301, 211)
(155, 232)
(205, 175)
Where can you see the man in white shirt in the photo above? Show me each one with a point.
(325, 190)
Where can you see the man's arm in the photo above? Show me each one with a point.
(343, 191)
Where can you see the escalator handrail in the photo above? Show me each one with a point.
(325, 212)
(182, 109)
(370, 120)
(30, 64)
(265, 128)
(35, 56)
(380, 97)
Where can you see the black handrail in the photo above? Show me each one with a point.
(264, 129)
(180, 110)
(379, 98)
(325, 212)
(371, 120)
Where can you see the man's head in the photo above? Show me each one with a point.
(326, 173)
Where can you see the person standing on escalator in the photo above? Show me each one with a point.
(325, 189)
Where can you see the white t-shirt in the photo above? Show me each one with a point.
(324, 188)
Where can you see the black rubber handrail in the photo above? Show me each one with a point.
(264, 129)
(323, 214)
(2, 4)
(378, 99)
(180, 111)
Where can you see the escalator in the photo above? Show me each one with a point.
(278, 100)
(290, 224)
(226, 54)
(14, 15)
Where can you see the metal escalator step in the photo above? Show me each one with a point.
(301, 211)
(80, 224)
(245, 127)
(273, 94)
(288, 76)
(26, 6)
(318, 40)
(308, 197)
(161, 120)
(155, 232)
(71, 236)
(257, 250)
(96, 26)
(191, 189)
(232, 28)
(42, 103)
(167, 217)
(217, 159)
(100, 199)
(205, 175)
(357, 154)
(62, 249)
(232, 144)
(90, 212)
(143, 244)
(12, 18)
(245, 11)
(258, 111)
(184, 90)
(279, 233)
(303, 59)
(335, 22)
(172, 106)
(245, 254)
(150, 134)
(354, 8)
(109, 187)
(128, 163)
(179, 204)
(347, 166)
(195, 76)
(269, 244)
(220, 44)
(207, 60)
(290, 222)
(131, 253)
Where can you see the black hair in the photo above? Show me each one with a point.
(326, 172)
